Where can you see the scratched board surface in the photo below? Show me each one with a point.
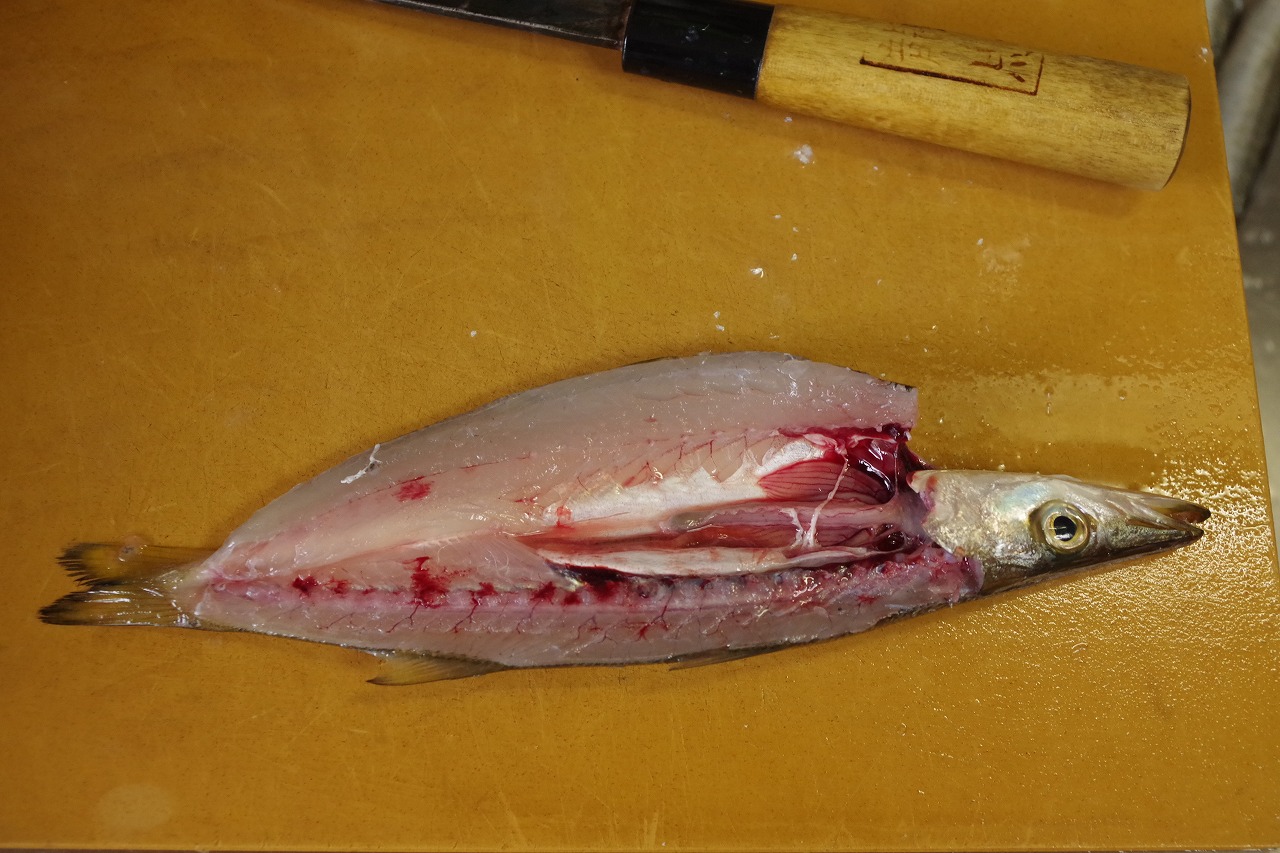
(243, 241)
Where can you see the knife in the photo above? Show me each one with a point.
(1095, 118)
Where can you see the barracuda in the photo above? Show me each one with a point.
(686, 510)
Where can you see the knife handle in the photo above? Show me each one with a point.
(1096, 118)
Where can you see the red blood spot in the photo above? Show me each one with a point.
(867, 599)
(486, 589)
(339, 587)
(564, 516)
(574, 597)
(413, 490)
(546, 592)
(428, 590)
(605, 589)
(305, 585)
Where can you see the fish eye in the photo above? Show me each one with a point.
(1063, 527)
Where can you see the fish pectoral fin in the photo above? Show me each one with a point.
(403, 668)
(505, 563)
(714, 656)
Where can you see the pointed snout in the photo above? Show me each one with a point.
(1156, 523)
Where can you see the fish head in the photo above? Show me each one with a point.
(1025, 527)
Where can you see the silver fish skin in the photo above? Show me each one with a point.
(687, 510)
(1022, 527)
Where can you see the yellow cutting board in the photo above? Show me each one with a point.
(241, 241)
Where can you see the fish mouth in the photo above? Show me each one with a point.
(1181, 512)
(1157, 522)
(1177, 513)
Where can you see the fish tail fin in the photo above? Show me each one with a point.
(105, 563)
(123, 585)
(118, 604)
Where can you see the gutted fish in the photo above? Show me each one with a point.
(684, 510)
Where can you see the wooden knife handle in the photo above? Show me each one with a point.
(1100, 119)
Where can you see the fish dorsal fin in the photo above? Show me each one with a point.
(714, 656)
(404, 668)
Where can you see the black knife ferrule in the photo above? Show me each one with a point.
(711, 44)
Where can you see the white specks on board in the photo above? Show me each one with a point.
(804, 154)
(758, 272)
(794, 256)
(472, 333)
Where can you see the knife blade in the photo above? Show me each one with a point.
(1096, 118)
(595, 22)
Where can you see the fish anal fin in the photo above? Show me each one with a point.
(714, 656)
(400, 669)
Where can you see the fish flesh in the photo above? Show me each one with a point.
(686, 510)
